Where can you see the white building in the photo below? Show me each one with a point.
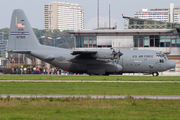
(177, 14)
(63, 16)
(171, 14)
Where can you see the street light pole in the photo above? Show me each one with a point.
(41, 38)
(54, 39)
(58, 38)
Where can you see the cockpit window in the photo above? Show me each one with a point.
(165, 57)
(161, 55)
(157, 55)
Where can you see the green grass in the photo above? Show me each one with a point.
(88, 109)
(106, 78)
(84, 88)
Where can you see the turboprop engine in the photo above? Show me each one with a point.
(108, 54)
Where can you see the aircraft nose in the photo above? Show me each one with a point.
(170, 64)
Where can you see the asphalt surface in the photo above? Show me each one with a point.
(93, 96)
(89, 81)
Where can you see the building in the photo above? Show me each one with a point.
(177, 14)
(139, 23)
(63, 16)
(165, 40)
(171, 14)
(3, 45)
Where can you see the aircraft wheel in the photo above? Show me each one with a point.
(152, 74)
(155, 74)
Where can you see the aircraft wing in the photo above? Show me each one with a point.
(84, 52)
(98, 53)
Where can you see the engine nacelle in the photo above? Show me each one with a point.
(107, 54)
(104, 54)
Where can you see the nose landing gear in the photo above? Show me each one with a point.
(155, 74)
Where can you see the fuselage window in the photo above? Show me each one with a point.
(161, 61)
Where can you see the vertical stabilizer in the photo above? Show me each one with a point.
(21, 35)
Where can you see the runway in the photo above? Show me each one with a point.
(93, 96)
(88, 81)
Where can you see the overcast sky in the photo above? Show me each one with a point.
(34, 10)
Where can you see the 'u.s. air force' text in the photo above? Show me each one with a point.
(142, 56)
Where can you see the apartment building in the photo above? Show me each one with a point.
(171, 14)
(63, 16)
(177, 14)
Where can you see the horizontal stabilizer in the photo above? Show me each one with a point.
(50, 57)
(19, 51)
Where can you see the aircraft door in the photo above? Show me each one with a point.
(159, 63)
(90, 43)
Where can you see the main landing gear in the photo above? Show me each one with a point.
(155, 74)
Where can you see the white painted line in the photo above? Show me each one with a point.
(92, 96)
(90, 81)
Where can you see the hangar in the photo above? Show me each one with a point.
(141, 34)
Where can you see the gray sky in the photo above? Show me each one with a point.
(34, 10)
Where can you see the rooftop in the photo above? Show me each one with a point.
(125, 32)
(139, 23)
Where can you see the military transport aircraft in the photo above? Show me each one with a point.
(92, 61)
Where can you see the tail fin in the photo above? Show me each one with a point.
(21, 35)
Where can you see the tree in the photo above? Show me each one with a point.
(6, 33)
(66, 40)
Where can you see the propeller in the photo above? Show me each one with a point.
(116, 55)
(178, 30)
(119, 55)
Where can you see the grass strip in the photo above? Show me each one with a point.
(88, 109)
(84, 88)
(103, 78)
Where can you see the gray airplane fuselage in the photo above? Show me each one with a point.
(132, 61)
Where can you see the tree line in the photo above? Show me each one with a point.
(66, 40)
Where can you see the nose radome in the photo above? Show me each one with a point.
(170, 64)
